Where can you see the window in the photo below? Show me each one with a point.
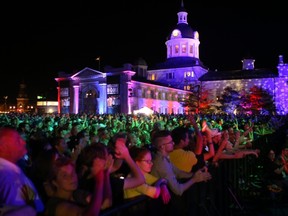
(157, 95)
(148, 94)
(139, 93)
(187, 87)
(175, 97)
(184, 50)
(176, 49)
(191, 49)
(169, 75)
(65, 101)
(152, 94)
(64, 92)
(113, 101)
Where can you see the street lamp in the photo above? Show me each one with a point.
(5, 102)
(98, 59)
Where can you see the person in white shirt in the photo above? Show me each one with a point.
(16, 189)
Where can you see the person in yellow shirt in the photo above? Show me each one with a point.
(181, 158)
(153, 186)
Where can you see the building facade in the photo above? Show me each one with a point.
(163, 86)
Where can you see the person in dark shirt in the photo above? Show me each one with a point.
(274, 174)
(118, 183)
(64, 181)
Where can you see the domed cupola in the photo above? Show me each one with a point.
(183, 41)
(182, 27)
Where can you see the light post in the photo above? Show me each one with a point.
(5, 102)
(99, 64)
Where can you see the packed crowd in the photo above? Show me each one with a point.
(84, 164)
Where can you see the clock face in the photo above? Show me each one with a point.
(176, 33)
(196, 35)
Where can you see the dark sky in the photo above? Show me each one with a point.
(38, 41)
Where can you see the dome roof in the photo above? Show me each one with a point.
(140, 61)
(186, 30)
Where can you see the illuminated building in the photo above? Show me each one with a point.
(162, 87)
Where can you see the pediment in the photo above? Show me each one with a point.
(87, 73)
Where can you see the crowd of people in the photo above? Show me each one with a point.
(78, 164)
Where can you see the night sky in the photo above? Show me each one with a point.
(38, 41)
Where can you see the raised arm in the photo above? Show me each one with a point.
(107, 191)
(97, 198)
(122, 152)
(199, 139)
(211, 151)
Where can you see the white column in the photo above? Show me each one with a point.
(76, 99)
(102, 100)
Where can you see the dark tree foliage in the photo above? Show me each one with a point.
(230, 100)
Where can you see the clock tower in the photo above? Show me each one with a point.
(183, 41)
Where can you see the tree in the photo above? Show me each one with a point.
(193, 101)
(245, 103)
(261, 101)
(230, 100)
(206, 105)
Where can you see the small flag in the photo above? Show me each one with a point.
(98, 58)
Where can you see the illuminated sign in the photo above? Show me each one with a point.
(113, 89)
